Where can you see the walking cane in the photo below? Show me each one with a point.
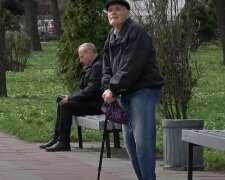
(102, 148)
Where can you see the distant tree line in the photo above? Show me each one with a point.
(15, 47)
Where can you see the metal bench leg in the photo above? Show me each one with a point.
(116, 136)
(108, 150)
(190, 161)
(80, 141)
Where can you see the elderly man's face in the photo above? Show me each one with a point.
(117, 15)
(85, 57)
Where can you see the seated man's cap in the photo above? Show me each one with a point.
(121, 2)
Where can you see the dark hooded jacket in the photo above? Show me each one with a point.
(129, 61)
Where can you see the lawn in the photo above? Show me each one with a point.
(29, 110)
(208, 100)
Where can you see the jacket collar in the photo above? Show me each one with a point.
(91, 64)
(115, 35)
(124, 28)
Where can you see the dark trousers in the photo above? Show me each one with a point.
(66, 111)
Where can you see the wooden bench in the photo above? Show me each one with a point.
(97, 122)
(207, 138)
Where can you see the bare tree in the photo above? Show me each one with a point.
(173, 38)
(30, 7)
(219, 8)
(3, 90)
(56, 18)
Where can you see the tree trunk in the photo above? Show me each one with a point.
(219, 8)
(3, 90)
(31, 22)
(56, 18)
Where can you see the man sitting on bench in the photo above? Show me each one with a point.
(87, 101)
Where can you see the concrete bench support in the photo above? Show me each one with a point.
(209, 138)
(97, 122)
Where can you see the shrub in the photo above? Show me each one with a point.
(205, 18)
(83, 21)
(174, 37)
(18, 48)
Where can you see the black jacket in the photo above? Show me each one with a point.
(90, 83)
(129, 61)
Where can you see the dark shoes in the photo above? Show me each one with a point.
(56, 145)
(59, 146)
(49, 144)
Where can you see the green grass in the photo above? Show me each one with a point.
(208, 100)
(29, 110)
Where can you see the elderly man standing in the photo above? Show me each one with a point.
(130, 71)
(87, 101)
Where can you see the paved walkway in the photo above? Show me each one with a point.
(23, 161)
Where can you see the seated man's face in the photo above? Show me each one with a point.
(84, 56)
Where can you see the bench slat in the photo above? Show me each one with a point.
(209, 138)
(95, 122)
(215, 133)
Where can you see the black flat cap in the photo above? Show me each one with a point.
(121, 2)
